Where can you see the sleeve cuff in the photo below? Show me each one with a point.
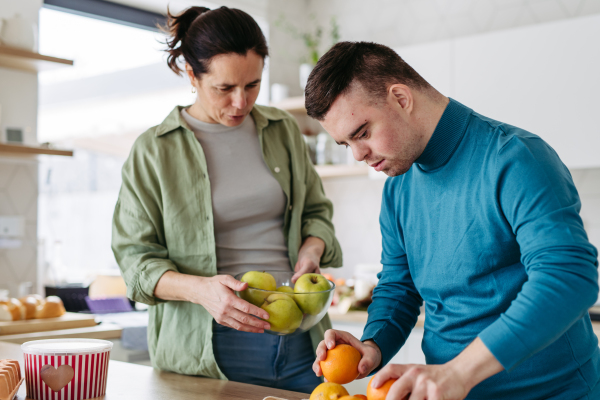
(508, 349)
(388, 347)
(331, 256)
(149, 276)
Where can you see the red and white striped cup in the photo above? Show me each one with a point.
(66, 369)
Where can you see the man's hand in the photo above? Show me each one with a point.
(309, 257)
(371, 355)
(451, 381)
(418, 382)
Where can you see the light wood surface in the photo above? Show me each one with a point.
(22, 150)
(291, 104)
(24, 60)
(340, 170)
(67, 321)
(103, 331)
(130, 381)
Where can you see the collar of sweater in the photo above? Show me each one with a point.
(445, 139)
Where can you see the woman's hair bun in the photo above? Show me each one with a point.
(199, 34)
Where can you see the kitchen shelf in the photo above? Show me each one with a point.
(291, 104)
(335, 171)
(22, 150)
(24, 60)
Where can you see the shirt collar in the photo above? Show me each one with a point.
(445, 138)
(262, 115)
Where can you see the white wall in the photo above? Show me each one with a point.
(433, 24)
(19, 176)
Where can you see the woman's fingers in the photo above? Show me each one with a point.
(237, 325)
(248, 308)
(232, 283)
(304, 267)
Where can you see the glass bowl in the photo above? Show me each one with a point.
(292, 318)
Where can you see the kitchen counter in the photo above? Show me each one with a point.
(129, 381)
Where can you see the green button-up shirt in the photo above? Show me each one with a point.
(163, 222)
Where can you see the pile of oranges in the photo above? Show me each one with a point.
(341, 367)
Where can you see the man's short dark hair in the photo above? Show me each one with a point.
(374, 66)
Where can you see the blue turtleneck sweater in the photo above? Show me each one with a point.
(485, 229)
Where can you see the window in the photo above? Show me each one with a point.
(119, 86)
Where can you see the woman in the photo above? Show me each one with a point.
(218, 188)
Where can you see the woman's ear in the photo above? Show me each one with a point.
(190, 73)
(401, 96)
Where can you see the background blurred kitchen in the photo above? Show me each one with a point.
(532, 63)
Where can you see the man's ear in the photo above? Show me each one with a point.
(401, 96)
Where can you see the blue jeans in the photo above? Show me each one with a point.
(281, 362)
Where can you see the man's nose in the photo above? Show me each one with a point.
(359, 152)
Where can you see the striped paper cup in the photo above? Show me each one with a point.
(66, 369)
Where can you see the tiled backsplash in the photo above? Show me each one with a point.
(356, 215)
(18, 196)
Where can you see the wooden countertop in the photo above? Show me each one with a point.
(130, 381)
(104, 331)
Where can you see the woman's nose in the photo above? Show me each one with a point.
(239, 100)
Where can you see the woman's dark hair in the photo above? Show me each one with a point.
(199, 34)
(374, 66)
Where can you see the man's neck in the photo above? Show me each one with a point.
(429, 114)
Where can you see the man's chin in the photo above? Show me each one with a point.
(396, 171)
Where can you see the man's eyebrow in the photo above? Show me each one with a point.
(351, 135)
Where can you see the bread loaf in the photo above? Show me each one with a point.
(12, 310)
(31, 303)
(51, 308)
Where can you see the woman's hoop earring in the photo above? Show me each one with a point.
(193, 89)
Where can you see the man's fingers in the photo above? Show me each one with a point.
(401, 389)
(365, 366)
(390, 371)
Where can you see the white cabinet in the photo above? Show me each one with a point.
(544, 78)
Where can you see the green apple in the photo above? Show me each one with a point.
(285, 289)
(310, 283)
(257, 280)
(284, 314)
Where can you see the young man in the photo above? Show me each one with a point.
(480, 220)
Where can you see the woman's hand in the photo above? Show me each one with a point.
(216, 295)
(309, 257)
(371, 355)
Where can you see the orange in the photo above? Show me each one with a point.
(329, 277)
(379, 393)
(341, 364)
(361, 396)
(328, 391)
(355, 397)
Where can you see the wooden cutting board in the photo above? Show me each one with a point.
(67, 321)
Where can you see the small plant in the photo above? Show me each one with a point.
(311, 39)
